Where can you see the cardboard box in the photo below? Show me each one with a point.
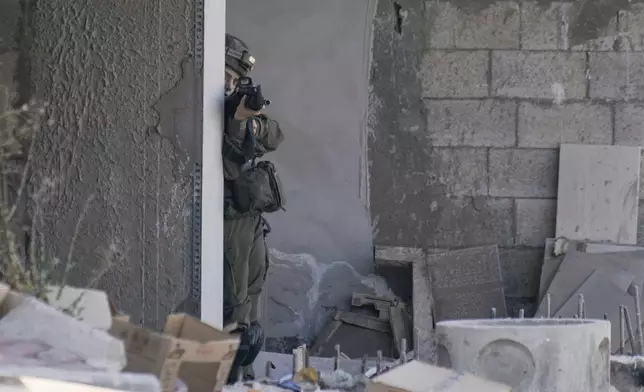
(117, 314)
(199, 355)
(416, 376)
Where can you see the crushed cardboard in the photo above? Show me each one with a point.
(188, 350)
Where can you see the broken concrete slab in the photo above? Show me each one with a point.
(627, 373)
(598, 193)
(578, 266)
(466, 283)
(601, 297)
(418, 376)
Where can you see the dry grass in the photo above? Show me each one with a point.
(27, 269)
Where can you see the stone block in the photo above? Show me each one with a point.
(629, 124)
(459, 171)
(495, 27)
(547, 126)
(535, 221)
(449, 74)
(616, 75)
(546, 75)
(521, 268)
(477, 123)
(523, 172)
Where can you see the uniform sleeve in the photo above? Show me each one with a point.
(232, 153)
(269, 136)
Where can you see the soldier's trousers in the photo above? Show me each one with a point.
(245, 267)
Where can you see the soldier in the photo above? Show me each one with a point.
(251, 189)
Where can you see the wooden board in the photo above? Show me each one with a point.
(598, 193)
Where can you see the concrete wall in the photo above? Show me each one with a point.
(470, 102)
(112, 172)
(313, 62)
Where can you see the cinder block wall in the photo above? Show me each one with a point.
(485, 91)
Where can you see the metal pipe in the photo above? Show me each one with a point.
(638, 320)
(403, 350)
(622, 331)
(548, 305)
(629, 330)
(416, 343)
(521, 313)
(580, 306)
(493, 312)
(336, 360)
(378, 362)
(363, 364)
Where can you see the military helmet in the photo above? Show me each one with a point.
(237, 55)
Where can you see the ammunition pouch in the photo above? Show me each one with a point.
(258, 189)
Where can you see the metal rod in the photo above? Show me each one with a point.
(403, 350)
(378, 362)
(580, 306)
(268, 368)
(622, 330)
(629, 330)
(493, 312)
(605, 316)
(363, 364)
(306, 355)
(336, 360)
(638, 320)
(521, 313)
(548, 305)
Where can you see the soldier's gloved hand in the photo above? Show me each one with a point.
(243, 113)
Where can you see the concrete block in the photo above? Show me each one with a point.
(523, 172)
(466, 283)
(513, 352)
(616, 75)
(535, 221)
(584, 32)
(494, 27)
(471, 222)
(547, 126)
(598, 193)
(448, 74)
(477, 123)
(629, 124)
(520, 268)
(553, 26)
(540, 26)
(630, 27)
(546, 75)
(460, 171)
(398, 255)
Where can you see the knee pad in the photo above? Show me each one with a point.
(250, 344)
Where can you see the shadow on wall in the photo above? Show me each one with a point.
(313, 63)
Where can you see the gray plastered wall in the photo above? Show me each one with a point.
(470, 102)
(111, 186)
